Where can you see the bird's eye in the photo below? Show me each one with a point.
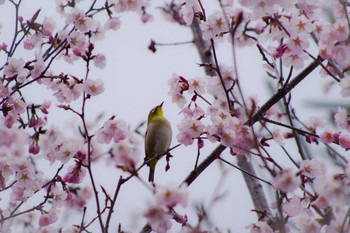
(153, 110)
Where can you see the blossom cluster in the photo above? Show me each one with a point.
(289, 32)
(27, 138)
(312, 194)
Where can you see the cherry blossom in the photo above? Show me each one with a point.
(171, 195)
(260, 227)
(158, 219)
(68, 92)
(15, 67)
(344, 141)
(286, 181)
(112, 24)
(189, 129)
(214, 26)
(312, 168)
(125, 153)
(93, 87)
(341, 118)
(75, 174)
(112, 129)
(48, 218)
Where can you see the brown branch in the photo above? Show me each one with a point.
(282, 92)
(203, 47)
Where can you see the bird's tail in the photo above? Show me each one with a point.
(151, 174)
(152, 167)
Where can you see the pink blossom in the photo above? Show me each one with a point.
(81, 155)
(300, 25)
(44, 106)
(75, 174)
(125, 153)
(312, 168)
(286, 181)
(187, 10)
(33, 41)
(345, 86)
(178, 98)
(298, 43)
(65, 151)
(187, 14)
(78, 41)
(6, 168)
(81, 22)
(197, 113)
(37, 122)
(16, 67)
(178, 85)
(158, 219)
(39, 67)
(67, 92)
(321, 202)
(112, 24)
(78, 198)
(341, 118)
(19, 193)
(112, 129)
(6, 171)
(25, 174)
(340, 31)
(9, 137)
(10, 120)
(277, 135)
(295, 59)
(98, 33)
(49, 142)
(340, 55)
(196, 85)
(34, 148)
(85, 24)
(327, 137)
(145, 17)
(335, 226)
(308, 225)
(332, 189)
(296, 207)
(18, 105)
(260, 227)
(214, 85)
(100, 61)
(93, 87)
(49, 26)
(230, 131)
(3, 47)
(58, 195)
(316, 122)
(344, 141)
(49, 218)
(171, 195)
(213, 26)
(188, 130)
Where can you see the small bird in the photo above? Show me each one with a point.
(157, 139)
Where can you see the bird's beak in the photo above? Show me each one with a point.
(161, 104)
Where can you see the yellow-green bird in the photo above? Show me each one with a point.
(157, 139)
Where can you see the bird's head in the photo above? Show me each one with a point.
(155, 113)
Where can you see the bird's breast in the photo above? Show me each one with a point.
(158, 137)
